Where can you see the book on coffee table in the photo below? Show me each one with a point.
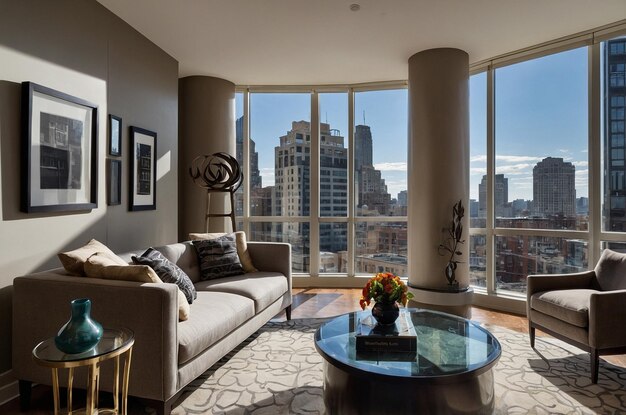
(397, 338)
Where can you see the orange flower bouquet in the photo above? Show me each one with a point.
(385, 288)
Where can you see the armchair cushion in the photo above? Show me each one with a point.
(570, 306)
(611, 271)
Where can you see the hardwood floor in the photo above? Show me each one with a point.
(311, 303)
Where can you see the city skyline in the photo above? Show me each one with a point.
(546, 118)
(385, 112)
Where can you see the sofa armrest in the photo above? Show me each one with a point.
(272, 257)
(41, 305)
(607, 312)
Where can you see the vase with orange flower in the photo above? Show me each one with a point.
(387, 291)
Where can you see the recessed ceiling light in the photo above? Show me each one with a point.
(355, 7)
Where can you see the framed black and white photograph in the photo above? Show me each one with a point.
(59, 162)
(115, 135)
(114, 188)
(142, 173)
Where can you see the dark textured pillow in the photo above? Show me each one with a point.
(218, 257)
(168, 272)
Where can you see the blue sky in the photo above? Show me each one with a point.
(385, 112)
(541, 111)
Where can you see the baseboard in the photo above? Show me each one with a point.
(8, 387)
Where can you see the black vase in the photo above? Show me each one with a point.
(386, 313)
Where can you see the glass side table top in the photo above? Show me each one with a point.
(111, 341)
(446, 345)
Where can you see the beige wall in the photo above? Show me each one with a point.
(80, 48)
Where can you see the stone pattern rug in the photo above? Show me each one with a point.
(278, 371)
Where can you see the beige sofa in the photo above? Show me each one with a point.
(168, 354)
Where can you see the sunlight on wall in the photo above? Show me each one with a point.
(164, 165)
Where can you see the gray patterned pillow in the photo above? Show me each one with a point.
(168, 272)
(218, 257)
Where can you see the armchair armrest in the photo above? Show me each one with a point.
(607, 312)
(41, 306)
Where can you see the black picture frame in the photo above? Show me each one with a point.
(115, 136)
(59, 156)
(114, 177)
(142, 172)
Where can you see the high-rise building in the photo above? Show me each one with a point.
(256, 181)
(363, 150)
(614, 169)
(554, 188)
(292, 188)
(501, 196)
(372, 187)
(403, 198)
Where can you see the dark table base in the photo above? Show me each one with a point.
(467, 393)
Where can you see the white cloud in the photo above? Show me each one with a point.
(506, 159)
(478, 170)
(515, 169)
(391, 166)
(267, 173)
(580, 164)
(564, 150)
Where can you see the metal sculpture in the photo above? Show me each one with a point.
(217, 173)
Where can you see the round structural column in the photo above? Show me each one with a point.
(206, 126)
(439, 174)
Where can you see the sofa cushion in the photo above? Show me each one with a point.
(218, 257)
(167, 271)
(101, 266)
(242, 247)
(262, 287)
(184, 255)
(213, 316)
(74, 261)
(611, 271)
(571, 306)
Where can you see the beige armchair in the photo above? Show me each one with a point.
(586, 309)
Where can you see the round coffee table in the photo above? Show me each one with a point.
(450, 372)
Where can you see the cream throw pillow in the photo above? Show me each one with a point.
(242, 247)
(101, 265)
(74, 261)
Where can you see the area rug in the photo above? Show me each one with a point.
(278, 371)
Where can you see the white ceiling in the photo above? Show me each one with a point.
(290, 42)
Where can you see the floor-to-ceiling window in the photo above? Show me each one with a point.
(539, 139)
(334, 163)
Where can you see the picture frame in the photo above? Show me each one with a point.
(115, 136)
(59, 155)
(142, 173)
(114, 176)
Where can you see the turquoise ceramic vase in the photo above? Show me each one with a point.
(81, 333)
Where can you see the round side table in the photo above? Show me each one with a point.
(115, 344)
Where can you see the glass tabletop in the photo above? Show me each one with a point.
(446, 345)
(112, 340)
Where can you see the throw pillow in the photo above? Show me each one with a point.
(168, 272)
(74, 261)
(218, 257)
(242, 247)
(99, 266)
